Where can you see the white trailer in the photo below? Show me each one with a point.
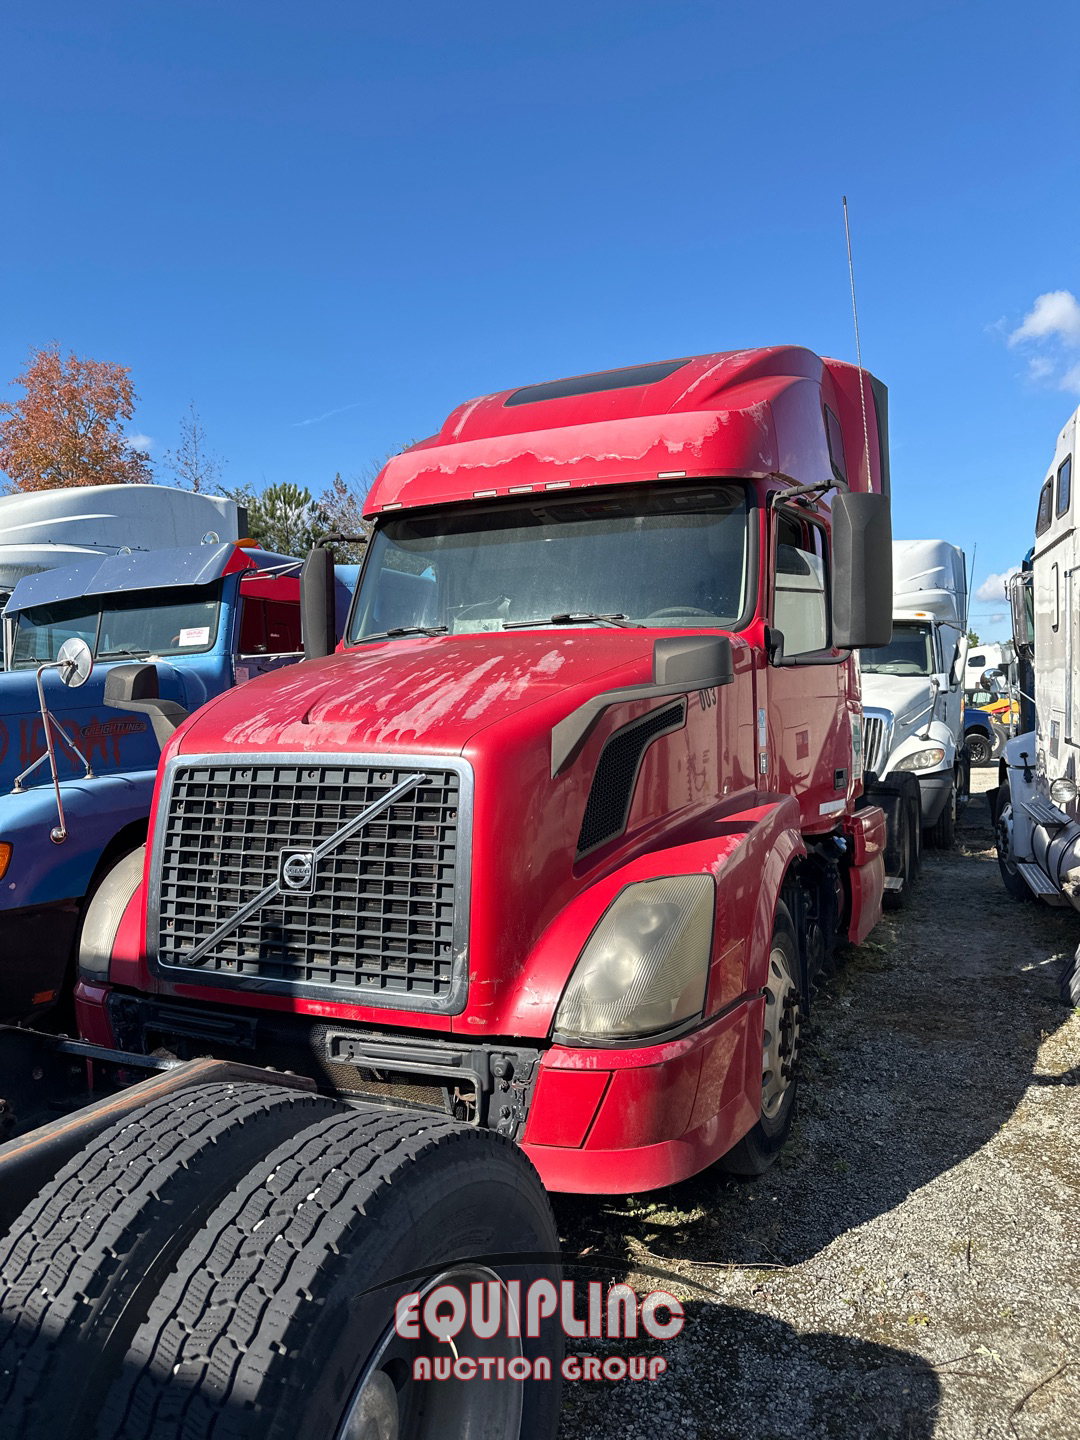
(913, 707)
(42, 529)
(1036, 806)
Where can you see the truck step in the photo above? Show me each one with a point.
(1044, 813)
(1037, 880)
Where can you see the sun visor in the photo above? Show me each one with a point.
(141, 570)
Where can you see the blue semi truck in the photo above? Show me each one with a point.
(211, 616)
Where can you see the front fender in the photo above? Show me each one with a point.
(96, 810)
(747, 852)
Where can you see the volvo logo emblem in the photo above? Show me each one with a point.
(296, 871)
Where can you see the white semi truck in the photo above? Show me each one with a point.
(913, 707)
(43, 529)
(1036, 806)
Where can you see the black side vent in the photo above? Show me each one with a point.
(617, 771)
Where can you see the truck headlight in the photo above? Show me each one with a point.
(645, 966)
(922, 759)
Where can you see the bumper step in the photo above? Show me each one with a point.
(1037, 880)
(1044, 813)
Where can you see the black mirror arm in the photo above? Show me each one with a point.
(166, 716)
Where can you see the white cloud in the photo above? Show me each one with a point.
(993, 587)
(1040, 367)
(1071, 380)
(1054, 315)
(318, 419)
(143, 443)
(996, 619)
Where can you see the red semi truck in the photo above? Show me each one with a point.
(541, 862)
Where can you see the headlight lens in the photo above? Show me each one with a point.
(1063, 791)
(646, 964)
(922, 759)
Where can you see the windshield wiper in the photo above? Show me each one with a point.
(122, 650)
(405, 630)
(570, 617)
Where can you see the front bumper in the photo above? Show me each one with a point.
(933, 793)
(593, 1121)
(36, 944)
(620, 1122)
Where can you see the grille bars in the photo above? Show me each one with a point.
(358, 822)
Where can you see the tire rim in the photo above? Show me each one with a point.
(783, 1025)
(388, 1404)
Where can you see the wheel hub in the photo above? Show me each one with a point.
(783, 1026)
(374, 1415)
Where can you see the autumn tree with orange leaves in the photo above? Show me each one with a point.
(68, 428)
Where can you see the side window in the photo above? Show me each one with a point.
(1046, 502)
(1064, 485)
(269, 627)
(282, 628)
(252, 627)
(800, 598)
(835, 437)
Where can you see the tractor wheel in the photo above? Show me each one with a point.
(1011, 878)
(81, 1265)
(942, 834)
(280, 1320)
(1070, 981)
(757, 1150)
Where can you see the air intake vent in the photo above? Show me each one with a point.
(616, 774)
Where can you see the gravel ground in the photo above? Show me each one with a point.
(910, 1266)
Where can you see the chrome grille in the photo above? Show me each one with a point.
(386, 919)
(877, 739)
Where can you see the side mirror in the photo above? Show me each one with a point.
(74, 662)
(956, 670)
(135, 687)
(862, 588)
(318, 609)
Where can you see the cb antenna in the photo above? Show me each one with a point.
(858, 348)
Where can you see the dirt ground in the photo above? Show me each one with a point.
(910, 1266)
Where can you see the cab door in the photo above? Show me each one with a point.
(806, 711)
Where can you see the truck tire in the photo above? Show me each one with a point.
(757, 1150)
(279, 1320)
(1011, 878)
(942, 834)
(979, 747)
(898, 849)
(82, 1263)
(1070, 981)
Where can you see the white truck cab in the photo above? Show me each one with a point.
(913, 701)
(1036, 807)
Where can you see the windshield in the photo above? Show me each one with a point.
(665, 557)
(909, 652)
(180, 621)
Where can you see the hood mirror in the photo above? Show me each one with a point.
(75, 662)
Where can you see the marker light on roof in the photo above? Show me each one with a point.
(557, 485)
(520, 490)
(393, 505)
(671, 475)
(484, 494)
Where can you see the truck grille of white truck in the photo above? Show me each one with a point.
(342, 877)
(877, 737)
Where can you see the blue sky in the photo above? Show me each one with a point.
(327, 224)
